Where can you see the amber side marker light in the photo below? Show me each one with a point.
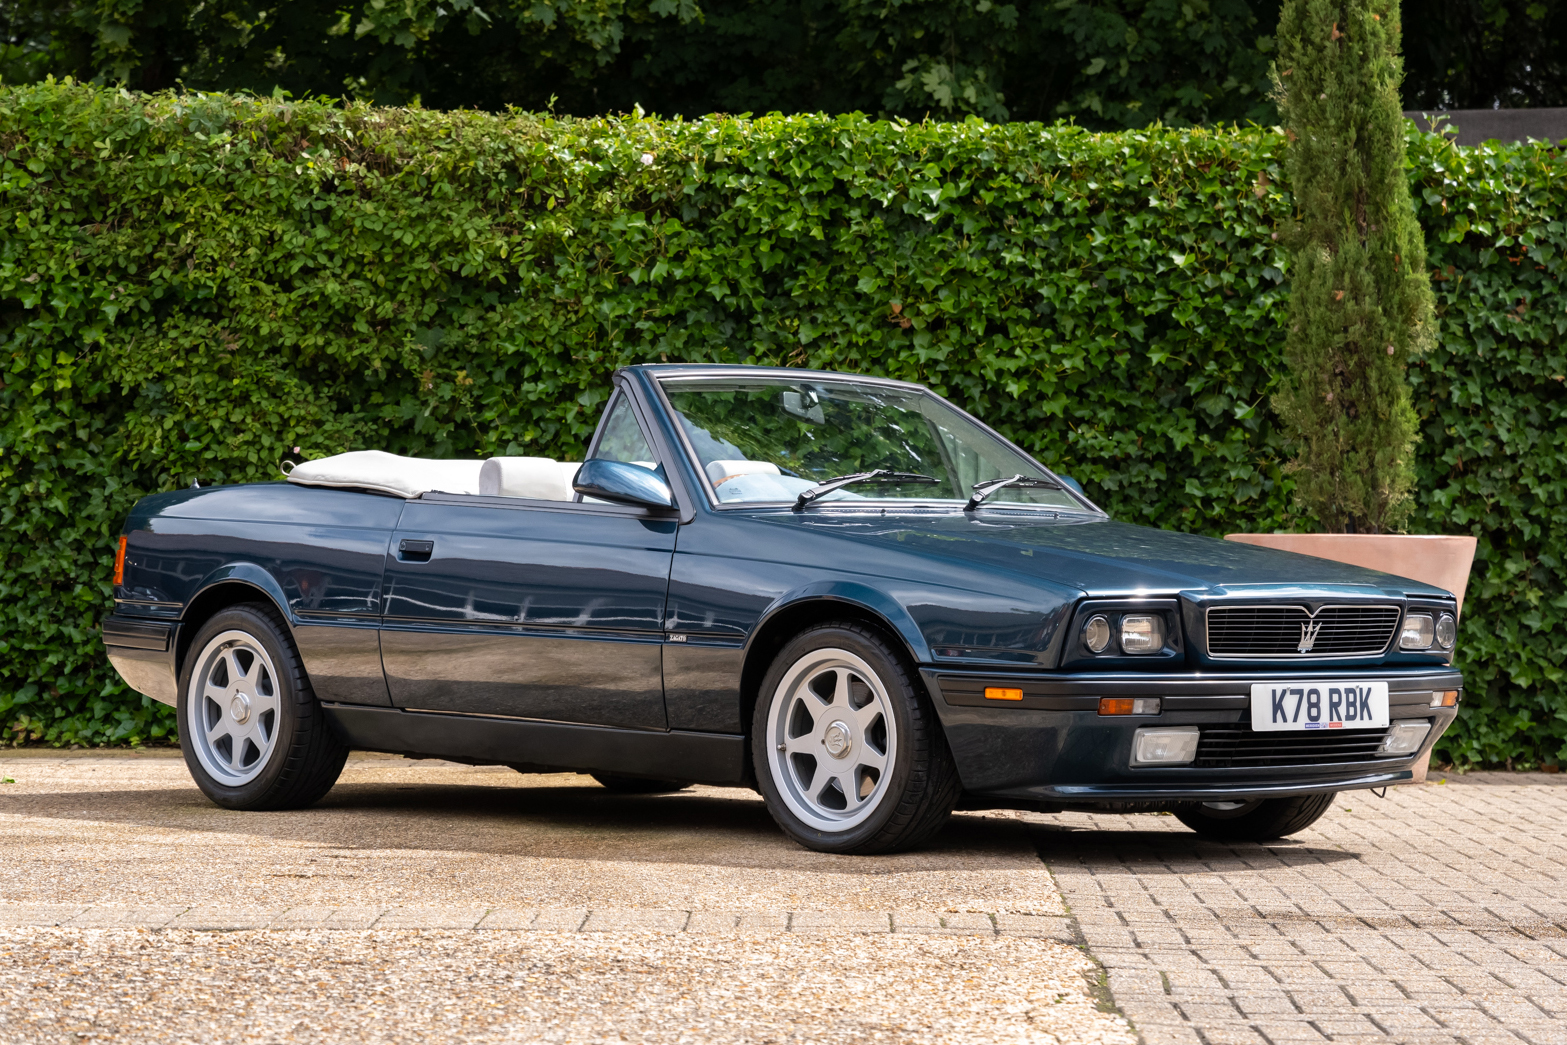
(999, 693)
(1444, 698)
(1128, 705)
(119, 562)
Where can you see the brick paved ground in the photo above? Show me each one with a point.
(1435, 915)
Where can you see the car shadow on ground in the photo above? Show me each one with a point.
(707, 826)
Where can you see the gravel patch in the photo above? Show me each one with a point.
(59, 985)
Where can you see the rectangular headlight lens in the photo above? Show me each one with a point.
(1419, 632)
(1164, 745)
(1405, 738)
(1142, 634)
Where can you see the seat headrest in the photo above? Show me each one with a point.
(718, 471)
(536, 478)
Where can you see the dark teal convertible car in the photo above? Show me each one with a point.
(841, 591)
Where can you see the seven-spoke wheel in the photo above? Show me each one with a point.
(846, 746)
(254, 735)
(831, 738)
(233, 722)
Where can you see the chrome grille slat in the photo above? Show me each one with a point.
(1352, 630)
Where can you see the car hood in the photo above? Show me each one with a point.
(1102, 557)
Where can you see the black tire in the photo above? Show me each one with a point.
(631, 785)
(303, 756)
(1259, 820)
(902, 806)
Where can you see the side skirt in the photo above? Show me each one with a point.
(703, 758)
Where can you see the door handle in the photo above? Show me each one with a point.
(415, 551)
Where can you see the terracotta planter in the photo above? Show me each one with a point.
(1442, 561)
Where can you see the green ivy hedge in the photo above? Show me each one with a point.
(193, 286)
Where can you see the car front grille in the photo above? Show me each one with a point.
(1293, 632)
(1226, 748)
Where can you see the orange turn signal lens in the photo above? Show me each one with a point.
(119, 562)
(1128, 705)
(1444, 698)
(999, 693)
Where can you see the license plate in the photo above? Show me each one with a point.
(1345, 704)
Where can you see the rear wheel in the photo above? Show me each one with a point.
(1257, 820)
(252, 732)
(630, 785)
(846, 747)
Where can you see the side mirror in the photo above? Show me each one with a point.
(1073, 483)
(623, 483)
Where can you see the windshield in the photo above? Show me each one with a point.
(766, 440)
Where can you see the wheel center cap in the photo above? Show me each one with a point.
(836, 740)
(239, 708)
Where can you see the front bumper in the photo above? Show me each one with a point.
(1052, 749)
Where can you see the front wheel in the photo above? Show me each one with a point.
(1258, 820)
(847, 750)
(252, 732)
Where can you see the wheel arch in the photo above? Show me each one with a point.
(227, 586)
(816, 604)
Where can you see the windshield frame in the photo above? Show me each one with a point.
(696, 374)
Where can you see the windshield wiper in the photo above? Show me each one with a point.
(990, 486)
(880, 475)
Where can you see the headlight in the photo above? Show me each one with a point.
(1446, 631)
(1096, 634)
(1419, 631)
(1142, 634)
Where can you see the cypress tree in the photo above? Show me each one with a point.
(1360, 299)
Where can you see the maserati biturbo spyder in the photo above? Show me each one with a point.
(841, 591)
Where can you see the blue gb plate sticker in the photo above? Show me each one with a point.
(1342, 704)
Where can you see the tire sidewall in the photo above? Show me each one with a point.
(894, 678)
(265, 632)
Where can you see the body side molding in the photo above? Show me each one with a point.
(707, 758)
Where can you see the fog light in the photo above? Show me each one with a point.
(1142, 634)
(1128, 705)
(1164, 745)
(1419, 632)
(1405, 738)
(1096, 634)
(1446, 631)
(1444, 698)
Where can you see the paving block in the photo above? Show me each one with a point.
(1047, 926)
(713, 922)
(431, 918)
(28, 916)
(509, 918)
(560, 919)
(636, 920)
(841, 921)
(225, 919)
(126, 917)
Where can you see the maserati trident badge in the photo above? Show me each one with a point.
(1308, 636)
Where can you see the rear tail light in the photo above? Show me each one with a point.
(119, 562)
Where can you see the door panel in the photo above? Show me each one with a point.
(541, 610)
